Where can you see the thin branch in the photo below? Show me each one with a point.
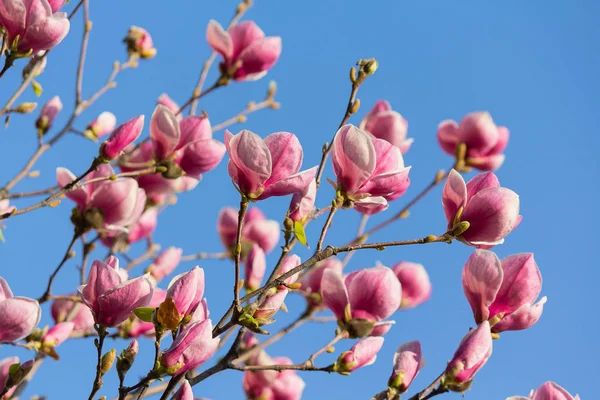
(326, 227)
(87, 27)
(31, 194)
(430, 391)
(207, 256)
(359, 234)
(237, 252)
(98, 379)
(149, 253)
(46, 296)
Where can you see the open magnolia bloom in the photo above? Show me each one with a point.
(370, 171)
(264, 168)
(547, 391)
(361, 299)
(387, 124)
(503, 292)
(18, 315)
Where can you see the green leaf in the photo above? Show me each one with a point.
(144, 313)
(13, 368)
(37, 88)
(299, 233)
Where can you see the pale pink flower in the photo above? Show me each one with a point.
(123, 136)
(370, 171)
(18, 315)
(165, 263)
(62, 310)
(362, 354)
(472, 354)
(187, 290)
(303, 203)
(102, 125)
(48, 114)
(273, 385)
(185, 391)
(192, 347)
(35, 22)
(264, 168)
(387, 124)
(484, 140)
(312, 281)
(247, 53)
(255, 266)
(256, 229)
(58, 334)
(416, 287)
(408, 360)
(491, 211)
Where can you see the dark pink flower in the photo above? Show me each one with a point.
(408, 360)
(363, 353)
(472, 354)
(192, 347)
(256, 229)
(416, 287)
(123, 136)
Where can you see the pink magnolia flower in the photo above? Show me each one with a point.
(416, 287)
(192, 347)
(119, 203)
(168, 102)
(408, 360)
(186, 148)
(271, 304)
(18, 315)
(370, 171)
(484, 140)
(303, 203)
(384, 123)
(185, 392)
(165, 263)
(111, 298)
(289, 263)
(56, 5)
(123, 136)
(472, 354)
(62, 310)
(492, 211)
(135, 327)
(547, 391)
(139, 42)
(34, 22)
(361, 354)
(102, 125)
(504, 290)
(255, 266)
(273, 385)
(187, 290)
(256, 229)
(247, 53)
(312, 282)
(58, 334)
(362, 298)
(48, 114)
(264, 168)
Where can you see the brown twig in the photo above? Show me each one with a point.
(87, 27)
(431, 390)
(207, 256)
(326, 227)
(98, 379)
(149, 253)
(47, 294)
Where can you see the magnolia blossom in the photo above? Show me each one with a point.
(303, 203)
(165, 263)
(139, 43)
(362, 298)
(408, 360)
(272, 385)
(35, 22)
(185, 148)
(111, 298)
(168, 102)
(102, 125)
(58, 334)
(5, 208)
(387, 124)
(187, 290)
(370, 171)
(4, 375)
(255, 267)
(547, 391)
(264, 168)
(107, 205)
(271, 304)
(484, 141)
(18, 315)
(472, 354)
(504, 291)
(491, 211)
(247, 53)
(192, 347)
(416, 287)
(63, 309)
(312, 282)
(144, 226)
(361, 354)
(256, 229)
(48, 114)
(123, 136)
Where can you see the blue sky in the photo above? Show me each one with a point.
(533, 65)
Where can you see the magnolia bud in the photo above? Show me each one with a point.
(107, 361)
(25, 108)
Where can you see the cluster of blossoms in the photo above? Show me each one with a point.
(122, 207)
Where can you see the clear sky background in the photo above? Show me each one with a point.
(533, 64)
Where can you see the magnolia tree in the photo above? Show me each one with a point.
(135, 176)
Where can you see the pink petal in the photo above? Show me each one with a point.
(101, 279)
(164, 132)
(286, 155)
(334, 292)
(5, 292)
(374, 292)
(389, 126)
(354, 158)
(184, 392)
(80, 195)
(447, 135)
(524, 317)
(480, 182)
(265, 233)
(481, 279)
(371, 205)
(258, 58)
(202, 156)
(292, 184)
(219, 39)
(250, 163)
(454, 196)
(478, 131)
(194, 128)
(117, 304)
(486, 163)
(19, 315)
(13, 15)
(44, 29)
(117, 200)
(243, 35)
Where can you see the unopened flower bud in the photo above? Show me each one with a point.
(25, 108)
(107, 361)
